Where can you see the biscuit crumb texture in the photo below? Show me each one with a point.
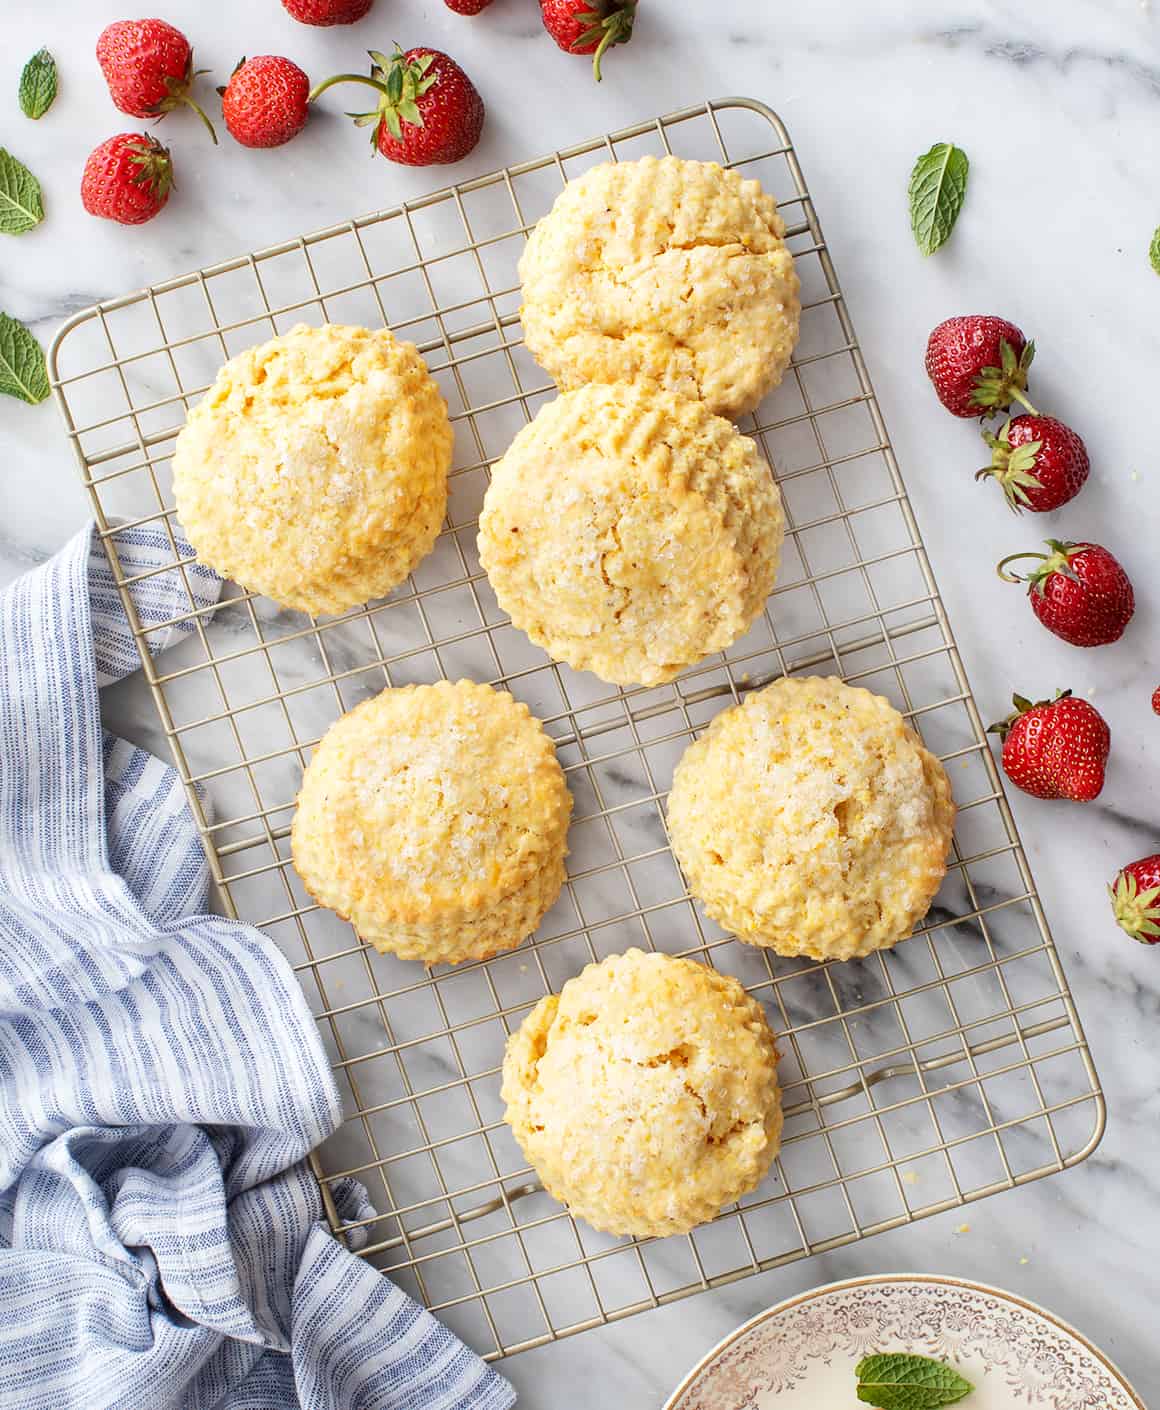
(645, 1093)
(668, 269)
(434, 819)
(811, 819)
(314, 470)
(630, 532)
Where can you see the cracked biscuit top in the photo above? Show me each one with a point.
(811, 819)
(314, 470)
(669, 269)
(645, 1093)
(630, 532)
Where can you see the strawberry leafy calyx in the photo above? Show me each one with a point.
(405, 80)
(154, 168)
(1136, 908)
(177, 94)
(1023, 706)
(604, 26)
(1012, 466)
(1057, 561)
(1000, 386)
(400, 82)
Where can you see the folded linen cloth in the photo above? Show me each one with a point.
(161, 1077)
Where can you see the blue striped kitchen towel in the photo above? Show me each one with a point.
(161, 1077)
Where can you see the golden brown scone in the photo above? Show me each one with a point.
(314, 470)
(630, 532)
(433, 818)
(812, 820)
(668, 269)
(645, 1093)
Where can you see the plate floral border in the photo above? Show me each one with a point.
(1044, 1361)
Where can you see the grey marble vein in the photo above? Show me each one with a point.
(1027, 53)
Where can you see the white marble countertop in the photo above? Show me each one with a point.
(1059, 108)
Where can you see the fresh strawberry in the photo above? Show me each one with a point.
(327, 12)
(978, 363)
(1040, 462)
(264, 103)
(1156, 700)
(1078, 591)
(428, 111)
(148, 66)
(1135, 896)
(589, 26)
(1055, 749)
(467, 7)
(128, 178)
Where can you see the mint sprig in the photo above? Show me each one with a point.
(938, 186)
(22, 370)
(1154, 250)
(21, 204)
(38, 85)
(896, 1380)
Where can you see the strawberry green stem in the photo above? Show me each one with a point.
(200, 111)
(614, 22)
(320, 88)
(1013, 558)
(178, 92)
(1018, 396)
(611, 35)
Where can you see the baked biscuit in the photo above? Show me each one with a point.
(668, 269)
(810, 819)
(314, 470)
(630, 532)
(645, 1093)
(433, 818)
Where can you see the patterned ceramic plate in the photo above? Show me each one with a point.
(801, 1354)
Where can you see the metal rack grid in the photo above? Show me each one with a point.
(914, 1081)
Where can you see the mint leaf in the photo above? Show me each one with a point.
(38, 85)
(22, 370)
(938, 185)
(1154, 251)
(20, 204)
(895, 1380)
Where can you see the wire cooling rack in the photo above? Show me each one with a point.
(914, 1081)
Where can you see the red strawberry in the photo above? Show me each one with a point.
(264, 103)
(1135, 896)
(589, 26)
(148, 66)
(1056, 749)
(1040, 462)
(467, 7)
(429, 110)
(978, 363)
(327, 12)
(1078, 591)
(1156, 700)
(128, 178)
